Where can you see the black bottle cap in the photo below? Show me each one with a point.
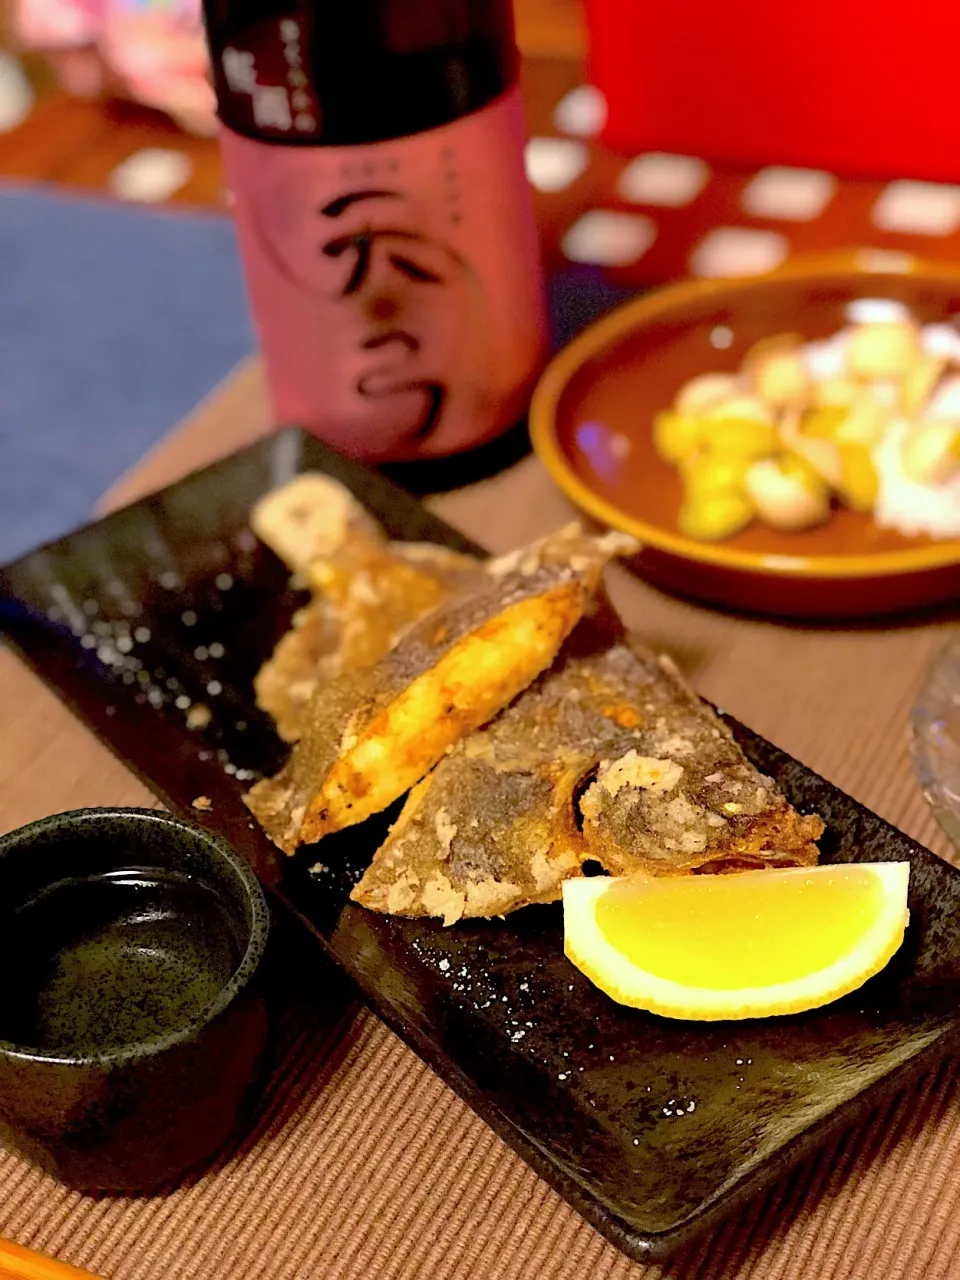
(347, 72)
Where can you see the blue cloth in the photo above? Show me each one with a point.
(115, 320)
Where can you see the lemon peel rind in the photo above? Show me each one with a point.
(608, 969)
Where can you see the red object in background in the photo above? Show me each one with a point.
(866, 91)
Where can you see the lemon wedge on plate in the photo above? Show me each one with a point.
(748, 945)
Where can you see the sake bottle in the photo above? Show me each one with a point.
(374, 150)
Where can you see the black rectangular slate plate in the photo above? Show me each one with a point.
(653, 1129)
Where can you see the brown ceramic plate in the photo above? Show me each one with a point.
(591, 424)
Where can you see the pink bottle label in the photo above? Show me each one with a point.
(396, 286)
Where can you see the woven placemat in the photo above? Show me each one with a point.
(362, 1165)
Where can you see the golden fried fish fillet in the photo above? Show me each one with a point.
(310, 517)
(376, 731)
(495, 826)
(370, 591)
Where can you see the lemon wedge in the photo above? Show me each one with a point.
(749, 945)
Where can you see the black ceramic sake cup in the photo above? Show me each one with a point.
(132, 1017)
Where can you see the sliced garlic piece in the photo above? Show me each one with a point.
(945, 402)
(931, 452)
(886, 350)
(824, 421)
(677, 437)
(859, 482)
(697, 395)
(865, 423)
(741, 438)
(782, 379)
(743, 407)
(822, 455)
(711, 474)
(718, 516)
(777, 370)
(785, 496)
(836, 391)
(886, 392)
(920, 382)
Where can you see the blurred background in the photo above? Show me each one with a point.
(84, 86)
(121, 298)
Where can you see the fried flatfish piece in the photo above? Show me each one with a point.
(679, 796)
(305, 656)
(309, 518)
(474, 841)
(375, 732)
(497, 824)
(370, 591)
(494, 826)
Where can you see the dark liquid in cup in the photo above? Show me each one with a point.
(112, 960)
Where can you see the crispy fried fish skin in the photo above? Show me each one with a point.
(369, 592)
(495, 826)
(475, 841)
(679, 796)
(375, 732)
(304, 657)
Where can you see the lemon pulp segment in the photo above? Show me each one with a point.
(746, 945)
(696, 931)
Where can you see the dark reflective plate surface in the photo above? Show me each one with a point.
(652, 1129)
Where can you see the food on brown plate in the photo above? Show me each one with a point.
(375, 731)
(608, 756)
(869, 419)
(368, 591)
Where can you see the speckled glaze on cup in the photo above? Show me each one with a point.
(133, 1116)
